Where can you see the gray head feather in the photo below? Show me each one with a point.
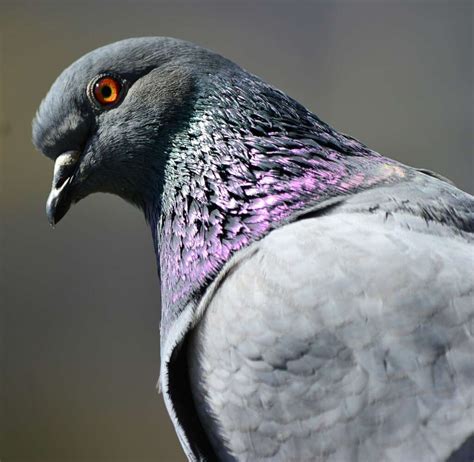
(116, 144)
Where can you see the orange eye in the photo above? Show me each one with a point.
(107, 91)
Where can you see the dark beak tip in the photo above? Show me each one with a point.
(57, 205)
(51, 210)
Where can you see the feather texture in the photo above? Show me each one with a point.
(343, 337)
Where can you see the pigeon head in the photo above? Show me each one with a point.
(109, 118)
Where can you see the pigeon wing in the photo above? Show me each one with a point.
(346, 336)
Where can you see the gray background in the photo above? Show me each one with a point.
(80, 304)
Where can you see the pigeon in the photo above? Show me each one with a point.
(316, 296)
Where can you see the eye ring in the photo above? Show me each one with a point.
(106, 90)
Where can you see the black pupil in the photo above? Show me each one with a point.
(106, 91)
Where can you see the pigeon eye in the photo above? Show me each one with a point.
(107, 91)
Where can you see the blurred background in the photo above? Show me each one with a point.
(79, 355)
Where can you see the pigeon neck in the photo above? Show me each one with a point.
(250, 158)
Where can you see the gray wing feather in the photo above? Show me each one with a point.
(347, 337)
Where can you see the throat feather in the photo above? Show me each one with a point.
(243, 168)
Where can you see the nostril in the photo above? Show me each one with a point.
(64, 167)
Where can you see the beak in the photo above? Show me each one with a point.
(59, 199)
